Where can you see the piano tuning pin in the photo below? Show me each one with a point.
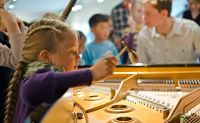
(79, 115)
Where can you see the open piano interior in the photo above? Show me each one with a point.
(154, 94)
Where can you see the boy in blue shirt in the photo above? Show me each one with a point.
(101, 46)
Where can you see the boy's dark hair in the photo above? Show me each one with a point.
(97, 18)
(164, 4)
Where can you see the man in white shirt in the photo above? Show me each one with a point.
(166, 40)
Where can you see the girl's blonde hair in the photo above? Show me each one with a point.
(46, 34)
(134, 2)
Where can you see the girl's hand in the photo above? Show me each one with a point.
(103, 68)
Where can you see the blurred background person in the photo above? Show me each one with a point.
(82, 40)
(120, 20)
(101, 46)
(81, 46)
(111, 35)
(193, 12)
(135, 20)
(167, 40)
(135, 24)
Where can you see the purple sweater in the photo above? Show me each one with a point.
(44, 87)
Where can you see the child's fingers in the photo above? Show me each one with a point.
(110, 66)
(112, 59)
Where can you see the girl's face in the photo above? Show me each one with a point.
(137, 12)
(67, 55)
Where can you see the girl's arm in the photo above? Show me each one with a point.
(47, 86)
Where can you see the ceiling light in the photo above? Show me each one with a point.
(77, 7)
(11, 6)
(100, 1)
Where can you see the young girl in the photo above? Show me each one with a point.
(130, 33)
(49, 47)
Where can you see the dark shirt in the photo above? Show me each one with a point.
(45, 86)
(5, 74)
(187, 14)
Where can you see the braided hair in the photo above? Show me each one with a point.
(45, 34)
